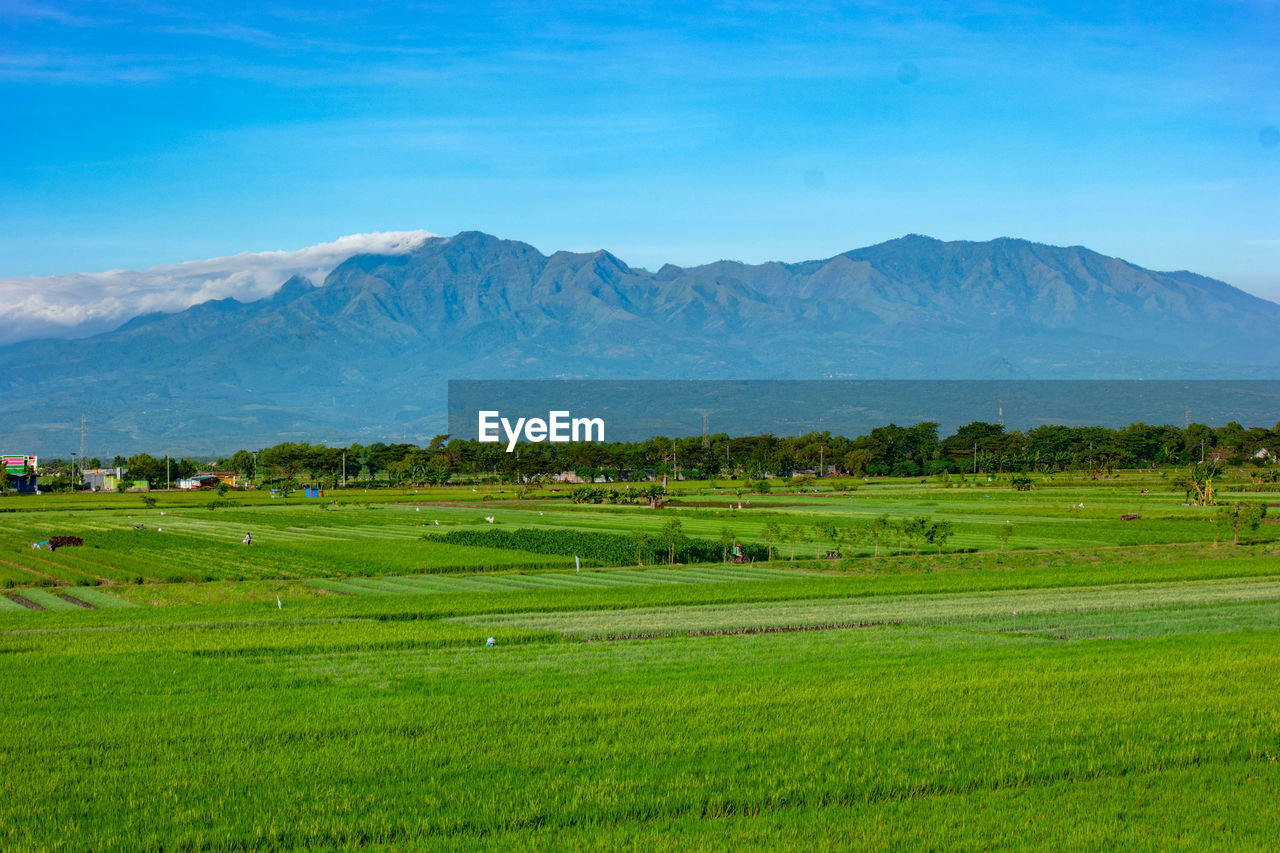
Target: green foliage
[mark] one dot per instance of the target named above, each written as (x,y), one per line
(772,535)
(637,494)
(726,543)
(599,549)
(1197,483)
(1240,515)
(672,535)
(640,541)
(938,532)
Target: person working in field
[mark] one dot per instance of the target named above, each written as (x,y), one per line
(248,539)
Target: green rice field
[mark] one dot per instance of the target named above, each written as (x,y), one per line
(1084,683)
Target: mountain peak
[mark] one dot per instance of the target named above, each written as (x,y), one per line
(295,287)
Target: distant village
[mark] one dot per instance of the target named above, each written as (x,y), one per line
(25,475)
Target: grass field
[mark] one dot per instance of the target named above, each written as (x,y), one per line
(1098,685)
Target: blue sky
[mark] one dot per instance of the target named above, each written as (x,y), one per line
(140,133)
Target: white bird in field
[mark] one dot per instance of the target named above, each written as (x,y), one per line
(489,518)
(279,603)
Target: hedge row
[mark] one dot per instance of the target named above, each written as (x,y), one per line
(595,549)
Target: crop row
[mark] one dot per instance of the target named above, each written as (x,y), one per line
(899,576)
(169,554)
(543,580)
(1003,608)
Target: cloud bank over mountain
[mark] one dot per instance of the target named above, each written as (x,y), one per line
(78,304)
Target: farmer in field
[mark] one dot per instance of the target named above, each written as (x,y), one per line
(248,539)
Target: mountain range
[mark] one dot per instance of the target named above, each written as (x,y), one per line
(365,355)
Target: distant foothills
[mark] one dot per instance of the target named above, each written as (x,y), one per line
(365,355)
(891,450)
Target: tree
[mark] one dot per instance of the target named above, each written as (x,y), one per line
(772,534)
(915,530)
(144,466)
(673,537)
(1239,515)
(823,530)
(938,533)
(794,532)
(877,529)
(242,463)
(1197,483)
(726,542)
(641,540)
(856,461)
(1004,533)
(148,502)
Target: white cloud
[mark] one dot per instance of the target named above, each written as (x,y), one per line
(79,304)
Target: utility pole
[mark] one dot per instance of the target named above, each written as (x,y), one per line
(975,457)
(1000,411)
(822,465)
(1202,448)
(166,472)
(344,470)
(84,439)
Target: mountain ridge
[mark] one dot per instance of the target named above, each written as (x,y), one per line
(367,352)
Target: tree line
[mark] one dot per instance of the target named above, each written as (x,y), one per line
(892,450)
